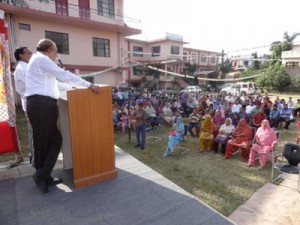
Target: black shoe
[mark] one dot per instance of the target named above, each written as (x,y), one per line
(137,146)
(142,148)
(53,181)
(40,184)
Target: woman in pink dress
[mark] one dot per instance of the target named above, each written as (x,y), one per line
(265,140)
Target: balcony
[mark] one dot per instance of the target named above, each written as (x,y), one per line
(290,54)
(70,14)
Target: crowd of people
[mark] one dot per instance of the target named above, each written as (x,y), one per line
(233,122)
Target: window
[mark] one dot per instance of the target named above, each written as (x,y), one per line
(184,56)
(23,26)
(137,49)
(155,51)
(138,70)
(101,47)
(62,7)
(84,9)
(203,58)
(61,40)
(194,57)
(213,59)
(106,8)
(175,50)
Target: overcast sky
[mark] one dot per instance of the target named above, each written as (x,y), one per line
(214,25)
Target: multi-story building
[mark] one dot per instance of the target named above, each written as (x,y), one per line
(168,54)
(91,37)
(291,58)
(89,33)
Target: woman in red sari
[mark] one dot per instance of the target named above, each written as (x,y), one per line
(218,121)
(242,137)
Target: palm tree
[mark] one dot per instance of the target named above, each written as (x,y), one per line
(277,47)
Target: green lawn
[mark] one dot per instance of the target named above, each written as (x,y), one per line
(222,184)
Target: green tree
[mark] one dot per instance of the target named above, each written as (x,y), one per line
(275,77)
(277,47)
(256,63)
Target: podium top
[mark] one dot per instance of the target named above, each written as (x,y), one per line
(63,93)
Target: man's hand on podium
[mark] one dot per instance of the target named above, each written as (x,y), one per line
(95,88)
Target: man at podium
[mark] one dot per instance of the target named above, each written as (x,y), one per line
(42,93)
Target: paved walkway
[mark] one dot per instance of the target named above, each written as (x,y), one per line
(138,196)
(271,204)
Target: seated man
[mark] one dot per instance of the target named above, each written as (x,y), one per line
(297,107)
(285,116)
(274,115)
(194,120)
(168,114)
(241,139)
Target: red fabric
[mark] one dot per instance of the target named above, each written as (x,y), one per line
(8,138)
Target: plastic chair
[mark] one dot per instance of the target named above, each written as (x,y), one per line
(298,132)
(291,152)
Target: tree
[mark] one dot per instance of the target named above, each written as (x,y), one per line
(277,47)
(275,77)
(225,66)
(256,63)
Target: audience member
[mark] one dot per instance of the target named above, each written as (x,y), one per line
(265,138)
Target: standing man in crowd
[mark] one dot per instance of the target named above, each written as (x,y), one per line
(22,55)
(42,93)
(140,116)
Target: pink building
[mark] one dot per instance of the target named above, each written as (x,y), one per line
(89,34)
(93,36)
(168,54)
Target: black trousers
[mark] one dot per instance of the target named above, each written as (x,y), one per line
(43,114)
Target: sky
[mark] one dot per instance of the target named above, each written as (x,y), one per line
(213,25)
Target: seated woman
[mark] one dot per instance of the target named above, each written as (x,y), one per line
(174,136)
(225,131)
(218,122)
(206,135)
(241,139)
(265,138)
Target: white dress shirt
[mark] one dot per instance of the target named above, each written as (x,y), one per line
(42,75)
(20,73)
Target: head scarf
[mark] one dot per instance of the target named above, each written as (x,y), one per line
(207,123)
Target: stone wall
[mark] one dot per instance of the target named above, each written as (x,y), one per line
(294,72)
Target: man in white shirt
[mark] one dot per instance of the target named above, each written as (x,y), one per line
(42,93)
(22,55)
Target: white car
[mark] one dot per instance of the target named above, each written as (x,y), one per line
(245,88)
(191,89)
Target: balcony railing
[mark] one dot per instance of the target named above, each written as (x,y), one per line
(73,10)
(291,54)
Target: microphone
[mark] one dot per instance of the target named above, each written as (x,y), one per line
(61,65)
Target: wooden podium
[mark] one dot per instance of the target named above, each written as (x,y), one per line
(87,128)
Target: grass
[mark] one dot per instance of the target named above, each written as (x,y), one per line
(222,184)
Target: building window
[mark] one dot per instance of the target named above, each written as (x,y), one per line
(174,50)
(44,1)
(213,59)
(106,8)
(155,51)
(62,7)
(138,70)
(203,58)
(23,26)
(184,56)
(61,40)
(194,58)
(101,47)
(84,9)
(137,49)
